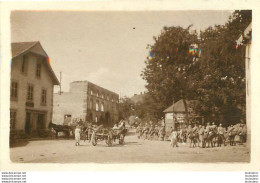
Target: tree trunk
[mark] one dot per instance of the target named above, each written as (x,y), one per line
(186,108)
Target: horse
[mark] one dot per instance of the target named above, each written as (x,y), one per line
(182,136)
(219,139)
(212,138)
(60,128)
(193,136)
(145,133)
(231,134)
(205,139)
(209,139)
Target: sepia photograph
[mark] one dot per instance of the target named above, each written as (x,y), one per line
(130,86)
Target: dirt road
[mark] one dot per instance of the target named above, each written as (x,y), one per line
(133,151)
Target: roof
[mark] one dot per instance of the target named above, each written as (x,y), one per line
(179,106)
(137,98)
(245,35)
(20,48)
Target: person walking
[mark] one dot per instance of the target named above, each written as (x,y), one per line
(201,133)
(162,133)
(90,130)
(221,132)
(195,132)
(77,135)
(174,138)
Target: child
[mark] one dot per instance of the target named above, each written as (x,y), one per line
(77,135)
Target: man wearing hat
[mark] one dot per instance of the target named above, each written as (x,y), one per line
(162,133)
(221,132)
(214,127)
(208,127)
(146,130)
(201,133)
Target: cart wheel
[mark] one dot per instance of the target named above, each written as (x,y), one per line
(93,139)
(109,141)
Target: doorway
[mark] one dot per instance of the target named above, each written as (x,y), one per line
(28,123)
(40,122)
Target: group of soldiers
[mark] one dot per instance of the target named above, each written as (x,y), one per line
(211,135)
(151,132)
(197,135)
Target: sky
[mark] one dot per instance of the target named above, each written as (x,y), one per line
(106,48)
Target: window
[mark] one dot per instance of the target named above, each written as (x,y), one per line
(97,94)
(97,106)
(30,93)
(102,96)
(91,92)
(12,120)
(24,64)
(14,90)
(38,69)
(102,107)
(44,97)
(91,104)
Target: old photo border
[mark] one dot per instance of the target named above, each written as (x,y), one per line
(7,7)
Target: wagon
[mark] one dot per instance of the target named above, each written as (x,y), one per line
(62,128)
(108,135)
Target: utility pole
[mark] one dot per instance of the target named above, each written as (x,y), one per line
(60,82)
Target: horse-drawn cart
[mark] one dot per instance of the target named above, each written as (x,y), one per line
(67,130)
(109,135)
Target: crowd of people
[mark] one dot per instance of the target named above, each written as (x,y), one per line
(196,135)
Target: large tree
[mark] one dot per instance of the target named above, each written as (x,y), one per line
(216,79)
(221,86)
(168,68)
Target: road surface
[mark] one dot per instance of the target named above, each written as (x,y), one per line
(133,151)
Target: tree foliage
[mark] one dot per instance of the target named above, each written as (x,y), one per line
(216,79)
(167,70)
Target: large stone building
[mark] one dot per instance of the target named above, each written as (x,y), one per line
(32,81)
(88,102)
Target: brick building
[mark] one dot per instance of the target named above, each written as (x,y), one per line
(31,92)
(88,102)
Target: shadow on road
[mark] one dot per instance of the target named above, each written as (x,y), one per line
(19,144)
(113,145)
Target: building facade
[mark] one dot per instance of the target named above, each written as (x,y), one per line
(88,102)
(31,92)
(246,39)
(175,115)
